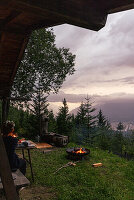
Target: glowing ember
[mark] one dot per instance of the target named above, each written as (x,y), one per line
(80,151)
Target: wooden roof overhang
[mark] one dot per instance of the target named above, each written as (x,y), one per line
(19,17)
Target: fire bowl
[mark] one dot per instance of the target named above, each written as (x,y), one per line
(77,153)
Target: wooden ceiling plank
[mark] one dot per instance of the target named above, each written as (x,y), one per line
(16,31)
(68,11)
(4,2)
(9,18)
(44,24)
(121,8)
(3,14)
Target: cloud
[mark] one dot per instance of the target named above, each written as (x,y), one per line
(120,36)
(71,36)
(98,99)
(127,80)
(71,98)
(104,59)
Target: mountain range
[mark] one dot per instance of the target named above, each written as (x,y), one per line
(116,110)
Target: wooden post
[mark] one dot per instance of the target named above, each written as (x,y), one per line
(5,171)
(5,109)
(6,175)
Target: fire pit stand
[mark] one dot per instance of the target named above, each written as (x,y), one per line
(77,153)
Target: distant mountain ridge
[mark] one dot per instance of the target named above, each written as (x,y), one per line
(116,110)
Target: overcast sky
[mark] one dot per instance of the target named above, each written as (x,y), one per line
(104,61)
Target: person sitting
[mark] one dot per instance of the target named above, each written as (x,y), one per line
(10,141)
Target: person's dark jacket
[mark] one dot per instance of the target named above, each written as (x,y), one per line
(10,145)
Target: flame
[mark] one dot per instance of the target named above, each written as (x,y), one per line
(12,135)
(80,151)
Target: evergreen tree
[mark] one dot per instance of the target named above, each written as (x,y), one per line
(63,120)
(39,103)
(86,121)
(101,119)
(102,122)
(85,114)
(90,118)
(120,126)
(52,125)
(102,137)
(80,117)
(38,106)
(108,125)
(24,122)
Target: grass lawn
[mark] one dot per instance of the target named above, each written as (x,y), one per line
(114,180)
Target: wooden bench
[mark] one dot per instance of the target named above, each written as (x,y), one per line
(19,180)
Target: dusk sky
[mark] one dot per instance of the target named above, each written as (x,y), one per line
(104,61)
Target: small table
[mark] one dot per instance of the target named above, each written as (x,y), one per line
(28,148)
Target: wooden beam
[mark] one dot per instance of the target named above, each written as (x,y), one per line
(121,8)
(88,15)
(15,31)
(43,24)
(9,18)
(4,2)
(6,175)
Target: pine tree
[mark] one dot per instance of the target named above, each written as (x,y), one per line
(102,122)
(85,119)
(120,126)
(108,125)
(102,137)
(80,117)
(52,125)
(38,106)
(101,119)
(90,118)
(63,119)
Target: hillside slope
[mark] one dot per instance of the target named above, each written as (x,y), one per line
(112,181)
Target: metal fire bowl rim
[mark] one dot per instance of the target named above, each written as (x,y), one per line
(71,149)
